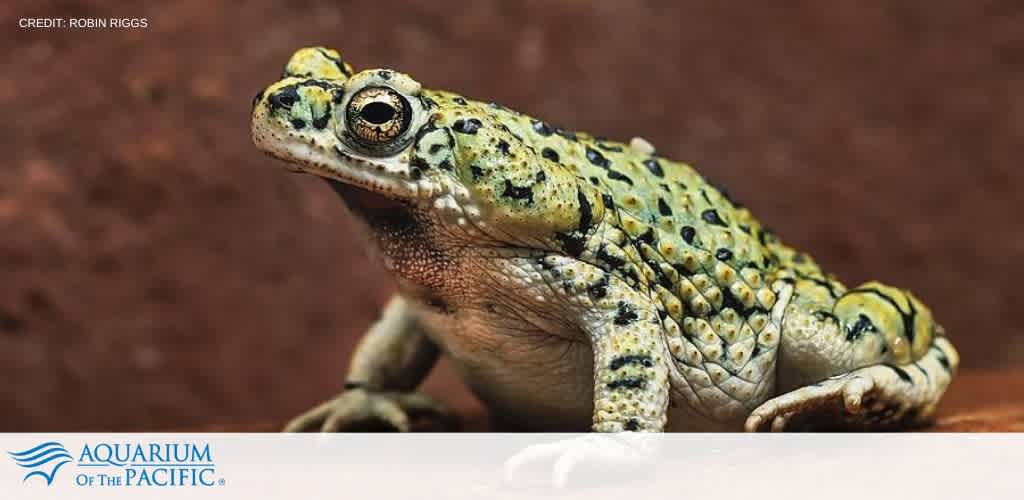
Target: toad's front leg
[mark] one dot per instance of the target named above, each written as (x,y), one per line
(390,361)
(631,379)
(631,385)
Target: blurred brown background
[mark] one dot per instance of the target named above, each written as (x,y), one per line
(157,272)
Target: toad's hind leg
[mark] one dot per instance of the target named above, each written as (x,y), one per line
(870,359)
(871,398)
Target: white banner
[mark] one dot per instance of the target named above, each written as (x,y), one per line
(474,466)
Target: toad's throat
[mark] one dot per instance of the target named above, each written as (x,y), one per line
(374,208)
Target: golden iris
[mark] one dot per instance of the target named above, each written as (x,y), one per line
(377,115)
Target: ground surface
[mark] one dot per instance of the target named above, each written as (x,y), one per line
(157,272)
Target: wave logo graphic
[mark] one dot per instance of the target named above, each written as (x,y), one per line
(46,459)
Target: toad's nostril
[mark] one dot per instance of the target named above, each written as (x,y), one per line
(256,100)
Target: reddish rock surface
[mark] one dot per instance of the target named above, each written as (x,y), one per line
(157,272)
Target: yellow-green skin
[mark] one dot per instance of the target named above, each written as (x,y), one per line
(613,227)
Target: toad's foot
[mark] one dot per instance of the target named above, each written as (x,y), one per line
(589,460)
(873,398)
(359,409)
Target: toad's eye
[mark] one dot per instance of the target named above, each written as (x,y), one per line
(377,116)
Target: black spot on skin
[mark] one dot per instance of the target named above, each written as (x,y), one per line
(654,167)
(298,123)
(729,301)
(625,315)
(419,163)
(922,370)
(416,173)
(599,289)
(607,201)
(567,135)
(901,373)
(799,259)
(663,208)
(284,98)
(612,261)
(863,324)
(943,360)
(353,385)
(617,176)
(469,126)
(476,171)
(595,181)
(609,147)
(446,165)
(459,100)
(435,148)
(723,254)
(628,383)
(572,243)
(586,212)
(745,228)
(664,280)
(711,217)
(540,177)
(632,425)
(337,95)
(427,128)
(647,236)
(384,74)
(907,317)
(503,147)
(550,154)
(542,128)
(518,193)
(597,159)
(688,232)
(631,359)
(321,122)
(666,188)
(319,83)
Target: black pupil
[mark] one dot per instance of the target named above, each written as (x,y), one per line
(377,113)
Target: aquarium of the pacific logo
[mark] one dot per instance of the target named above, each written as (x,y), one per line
(128,464)
(42,461)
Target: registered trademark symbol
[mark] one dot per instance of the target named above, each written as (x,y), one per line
(221,481)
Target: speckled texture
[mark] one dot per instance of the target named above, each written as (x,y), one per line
(658,272)
(113,245)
